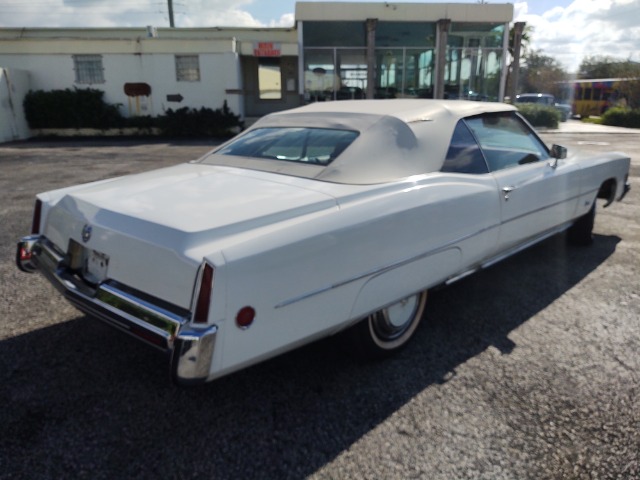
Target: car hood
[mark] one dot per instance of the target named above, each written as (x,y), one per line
(160,224)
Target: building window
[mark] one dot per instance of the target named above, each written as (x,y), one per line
(88,69)
(187,68)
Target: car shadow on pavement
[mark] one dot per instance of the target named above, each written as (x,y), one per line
(84,401)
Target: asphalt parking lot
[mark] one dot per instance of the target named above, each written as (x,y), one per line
(528,370)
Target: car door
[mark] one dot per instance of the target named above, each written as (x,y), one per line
(538,194)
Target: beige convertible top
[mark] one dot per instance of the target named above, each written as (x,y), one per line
(398,138)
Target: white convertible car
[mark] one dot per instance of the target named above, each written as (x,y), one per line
(330,217)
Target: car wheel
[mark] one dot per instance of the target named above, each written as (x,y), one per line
(389,329)
(581,232)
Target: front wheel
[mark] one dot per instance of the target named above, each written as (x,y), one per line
(581,232)
(389,329)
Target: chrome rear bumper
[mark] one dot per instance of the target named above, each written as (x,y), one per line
(152,320)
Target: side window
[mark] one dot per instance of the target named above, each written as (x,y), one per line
(506,141)
(464,155)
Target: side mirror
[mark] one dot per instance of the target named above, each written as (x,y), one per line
(558,152)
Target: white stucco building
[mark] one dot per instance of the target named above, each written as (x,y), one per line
(336,50)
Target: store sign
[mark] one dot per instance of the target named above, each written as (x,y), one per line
(266,49)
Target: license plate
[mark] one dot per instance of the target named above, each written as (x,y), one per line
(95,266)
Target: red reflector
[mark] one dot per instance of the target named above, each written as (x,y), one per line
(25,254)
(245,317)
(37,211)
(204,295)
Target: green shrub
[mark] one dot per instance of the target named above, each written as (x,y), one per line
(540,115)
(70,109)
(205,122)
(621,117)
(87,109)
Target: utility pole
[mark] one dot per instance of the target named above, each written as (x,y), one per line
(170,3)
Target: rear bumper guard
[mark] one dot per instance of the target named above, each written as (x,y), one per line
(160,325)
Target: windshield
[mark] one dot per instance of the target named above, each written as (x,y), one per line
(318,146)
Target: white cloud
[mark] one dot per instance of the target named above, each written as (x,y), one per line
(286,20)
(585,28)
(124,13)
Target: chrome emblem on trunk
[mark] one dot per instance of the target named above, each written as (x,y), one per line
(86,233)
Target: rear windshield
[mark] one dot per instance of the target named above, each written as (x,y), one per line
(319,146)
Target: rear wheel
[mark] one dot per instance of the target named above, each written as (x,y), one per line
(581,232)
(389,329)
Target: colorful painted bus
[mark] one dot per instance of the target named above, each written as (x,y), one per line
(594,96)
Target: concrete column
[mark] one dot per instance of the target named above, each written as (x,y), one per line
(441,56)
(371,57)
(518,28)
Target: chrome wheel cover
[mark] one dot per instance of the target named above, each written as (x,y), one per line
(394,325)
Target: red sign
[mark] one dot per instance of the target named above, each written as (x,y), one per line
(266,49)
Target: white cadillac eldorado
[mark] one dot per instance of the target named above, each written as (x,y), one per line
(331,217)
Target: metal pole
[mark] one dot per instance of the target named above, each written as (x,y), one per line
(170,4)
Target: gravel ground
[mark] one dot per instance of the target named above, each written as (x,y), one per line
(528,370)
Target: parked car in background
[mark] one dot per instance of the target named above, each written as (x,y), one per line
(336,217)
(548,100)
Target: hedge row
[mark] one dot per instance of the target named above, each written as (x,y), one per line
(621,117)
(87,109)
(70,109)
(540,115)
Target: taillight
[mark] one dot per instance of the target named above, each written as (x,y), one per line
(204,295)
(37,212)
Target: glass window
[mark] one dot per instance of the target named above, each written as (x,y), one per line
(488,35)
(473,73)
(351,74)
(318,146)
(464,155)
(88,69)
(334,34)
(187,68)
(269,78)
(405,34)
(506,141)
(319,74)
(419,73)
(389,72)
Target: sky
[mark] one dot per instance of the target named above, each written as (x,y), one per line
(567,30)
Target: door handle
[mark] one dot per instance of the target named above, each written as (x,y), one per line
(506,191)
